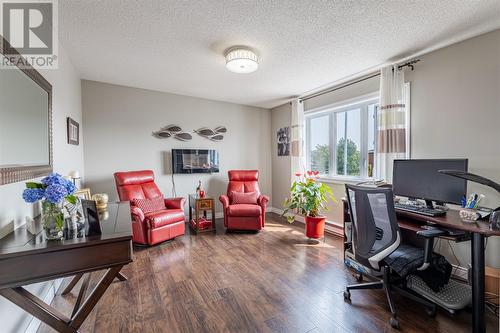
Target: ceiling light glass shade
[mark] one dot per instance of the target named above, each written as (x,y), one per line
(241,60)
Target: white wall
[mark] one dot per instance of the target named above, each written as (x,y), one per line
(66,101)
(455,112)
(118,126)
(281,165)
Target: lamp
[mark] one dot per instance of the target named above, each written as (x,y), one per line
(241,60)
(74,175)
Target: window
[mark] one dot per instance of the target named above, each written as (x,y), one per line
(340,140)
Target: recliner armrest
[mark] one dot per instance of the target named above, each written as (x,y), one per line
(224,199)
(137,213)
(263,200)
(174,203)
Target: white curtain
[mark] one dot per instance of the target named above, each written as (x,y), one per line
(297,138)
(391,121)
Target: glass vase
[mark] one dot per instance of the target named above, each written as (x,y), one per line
(52,220)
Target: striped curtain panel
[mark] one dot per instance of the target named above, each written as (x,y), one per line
(297,138)
(391,120)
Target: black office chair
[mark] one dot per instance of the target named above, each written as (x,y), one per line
(377,245)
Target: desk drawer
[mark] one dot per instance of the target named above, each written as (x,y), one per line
(26,269)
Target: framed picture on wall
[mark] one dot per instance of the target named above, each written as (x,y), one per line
(283,136)
(73,129)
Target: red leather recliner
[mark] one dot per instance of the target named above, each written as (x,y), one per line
(155,227)
(244,216)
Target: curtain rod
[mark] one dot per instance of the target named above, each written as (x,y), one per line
(410,64)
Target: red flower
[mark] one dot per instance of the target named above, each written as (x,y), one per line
(316,173)
(298,174)
(309,173)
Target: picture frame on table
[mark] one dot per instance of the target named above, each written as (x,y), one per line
(83,194)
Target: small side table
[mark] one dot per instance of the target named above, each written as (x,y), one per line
(201,205)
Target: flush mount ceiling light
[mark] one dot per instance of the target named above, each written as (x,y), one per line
(241,60)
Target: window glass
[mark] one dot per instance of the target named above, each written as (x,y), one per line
(342,141)
(348,143)
(320,144)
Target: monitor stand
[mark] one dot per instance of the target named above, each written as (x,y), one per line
(429,204)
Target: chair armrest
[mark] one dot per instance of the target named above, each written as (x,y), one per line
(263,200)
(175,203)
(224,199)
(137,213)
(429,235)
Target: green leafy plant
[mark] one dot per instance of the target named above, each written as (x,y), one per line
(308,196)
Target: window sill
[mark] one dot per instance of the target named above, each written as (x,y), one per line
(343,180)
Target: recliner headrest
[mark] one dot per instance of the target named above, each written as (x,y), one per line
(134,177)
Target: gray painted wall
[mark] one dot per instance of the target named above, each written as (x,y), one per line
(118,125)
(280,117)
(66,102)
(455,112)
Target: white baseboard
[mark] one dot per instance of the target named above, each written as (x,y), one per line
(47,298)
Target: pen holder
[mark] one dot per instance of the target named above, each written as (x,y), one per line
(469,215)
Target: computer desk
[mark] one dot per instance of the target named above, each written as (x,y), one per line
(478,231)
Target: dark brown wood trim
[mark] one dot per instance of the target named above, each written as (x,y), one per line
(17,174)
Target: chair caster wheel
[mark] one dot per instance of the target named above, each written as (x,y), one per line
(452,312)
(347,295)
(359,277)
(431,312)
(394,323)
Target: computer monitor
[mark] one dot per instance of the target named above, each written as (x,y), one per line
(420,179)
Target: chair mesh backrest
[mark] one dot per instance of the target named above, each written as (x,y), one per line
(375,226)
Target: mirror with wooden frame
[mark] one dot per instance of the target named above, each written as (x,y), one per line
(25,119)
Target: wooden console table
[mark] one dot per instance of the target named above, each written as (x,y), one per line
(27,258)
(201,205)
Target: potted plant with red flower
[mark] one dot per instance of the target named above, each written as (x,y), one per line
(308,197)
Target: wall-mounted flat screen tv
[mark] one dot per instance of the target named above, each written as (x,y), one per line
(195,161)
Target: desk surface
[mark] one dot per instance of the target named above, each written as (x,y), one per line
(453,221)
(26,258)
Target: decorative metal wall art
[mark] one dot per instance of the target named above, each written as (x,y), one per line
(212,134)
(176,132)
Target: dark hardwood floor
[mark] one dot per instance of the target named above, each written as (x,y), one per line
(272,281)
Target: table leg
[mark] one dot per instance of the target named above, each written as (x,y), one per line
(81,294)
(213,216)
(94,297)
(121,277)
(72,284)
(477,256)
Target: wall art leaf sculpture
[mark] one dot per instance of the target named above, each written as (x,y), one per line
(214,135)
(220,129)
(204,131)
(172,128)
(167,132)
(217,137)
(183,136)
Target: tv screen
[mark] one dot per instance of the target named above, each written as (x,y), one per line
(195,161)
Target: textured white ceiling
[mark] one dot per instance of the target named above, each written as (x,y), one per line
(178,46)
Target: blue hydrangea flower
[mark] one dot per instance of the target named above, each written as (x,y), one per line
(32,195)
(55,193)
(70,187)
(54,179)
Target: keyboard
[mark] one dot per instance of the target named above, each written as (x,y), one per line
(419,210)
